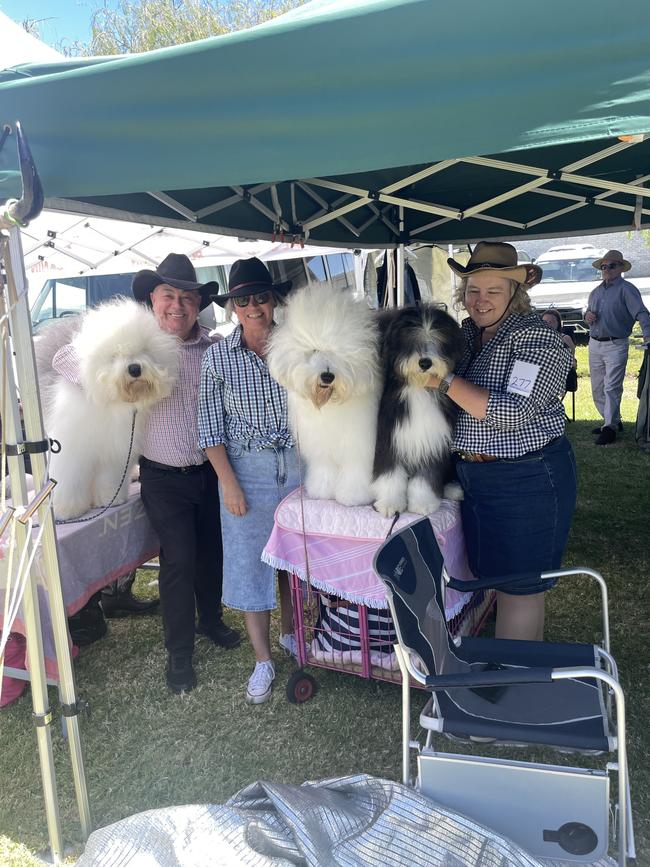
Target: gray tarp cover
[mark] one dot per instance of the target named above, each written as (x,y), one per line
(351,821)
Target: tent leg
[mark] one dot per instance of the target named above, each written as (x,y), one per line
(21,329)
(40,701)
(400,261)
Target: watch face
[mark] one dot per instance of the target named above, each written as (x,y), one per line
(443,388)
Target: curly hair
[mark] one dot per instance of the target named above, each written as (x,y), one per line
(520,302)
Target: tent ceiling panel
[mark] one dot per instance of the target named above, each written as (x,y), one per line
(326,121)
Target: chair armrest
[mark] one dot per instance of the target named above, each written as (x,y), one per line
(480,679)
(604,596)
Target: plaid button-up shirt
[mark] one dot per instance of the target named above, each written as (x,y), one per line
(239,401)
(514,423)
(171,434)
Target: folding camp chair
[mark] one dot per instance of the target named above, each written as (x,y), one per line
(508,692)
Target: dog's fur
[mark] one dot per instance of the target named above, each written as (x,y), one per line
(325,354)
(126,363)
(412,461)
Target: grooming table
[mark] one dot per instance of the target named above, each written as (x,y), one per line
(91,555)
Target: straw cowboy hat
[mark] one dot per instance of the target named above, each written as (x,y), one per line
(612,256)
(248,277)
(175,270)
(500,258)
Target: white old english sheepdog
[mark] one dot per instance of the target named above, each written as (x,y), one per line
(413,460)
(111,362)
(325,354)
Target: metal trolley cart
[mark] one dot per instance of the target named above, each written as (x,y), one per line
(341,614)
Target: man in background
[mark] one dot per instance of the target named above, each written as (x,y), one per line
(613,308)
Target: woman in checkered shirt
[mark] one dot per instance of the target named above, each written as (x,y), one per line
(516,467)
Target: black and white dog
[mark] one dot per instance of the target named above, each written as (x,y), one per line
(412,457)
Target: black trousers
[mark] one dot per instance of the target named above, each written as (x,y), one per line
(184,511)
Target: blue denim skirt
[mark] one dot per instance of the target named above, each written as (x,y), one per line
(266,477)
(517,515)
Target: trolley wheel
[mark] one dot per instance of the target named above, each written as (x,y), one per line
(301,687)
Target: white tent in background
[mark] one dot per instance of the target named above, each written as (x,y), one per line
(18,46)
(66,245)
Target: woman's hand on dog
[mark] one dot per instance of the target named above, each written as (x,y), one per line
(433,381)
(234,500)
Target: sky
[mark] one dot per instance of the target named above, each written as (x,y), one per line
(64,21)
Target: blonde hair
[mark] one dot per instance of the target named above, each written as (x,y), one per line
(520,301)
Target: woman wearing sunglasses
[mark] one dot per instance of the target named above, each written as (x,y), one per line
(244,430)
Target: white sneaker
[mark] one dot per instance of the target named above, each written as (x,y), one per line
(260,682)
(289,644)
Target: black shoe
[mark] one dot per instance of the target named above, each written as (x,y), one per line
(125,604)
(220,633)
(179,673)
(88,625)
(598,430)
(607,437)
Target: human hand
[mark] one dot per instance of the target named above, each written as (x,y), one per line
(234,500)
(590,317)
(433,381)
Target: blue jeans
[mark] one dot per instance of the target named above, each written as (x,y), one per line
(517,515)
(265,477)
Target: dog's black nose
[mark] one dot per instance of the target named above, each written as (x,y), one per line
(425,363)
(327,378)
(134,370)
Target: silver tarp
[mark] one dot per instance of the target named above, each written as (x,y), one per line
(345,822)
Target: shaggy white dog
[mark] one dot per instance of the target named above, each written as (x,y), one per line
(325,354)
(120,363)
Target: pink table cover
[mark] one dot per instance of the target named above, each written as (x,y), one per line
(339,543)
(91,555)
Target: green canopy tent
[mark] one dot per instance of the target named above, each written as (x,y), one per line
(360,124)
(480,120)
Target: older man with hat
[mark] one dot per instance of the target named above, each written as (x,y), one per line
(178,485)
(612,309)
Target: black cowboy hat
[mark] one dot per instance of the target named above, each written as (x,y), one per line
(248,277)
(500,258)
(175,270)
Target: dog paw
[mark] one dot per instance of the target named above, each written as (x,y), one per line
(359,496)
(422,506)
(387,508)
(453,491)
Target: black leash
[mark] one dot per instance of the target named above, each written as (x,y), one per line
(119,487)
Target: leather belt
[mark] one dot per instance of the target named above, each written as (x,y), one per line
(166,468)
(605,339)
(477,457)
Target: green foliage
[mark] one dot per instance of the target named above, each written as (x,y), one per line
(143,25)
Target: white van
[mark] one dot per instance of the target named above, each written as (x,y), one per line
(569,277)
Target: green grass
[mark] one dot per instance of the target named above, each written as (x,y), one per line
(144,748)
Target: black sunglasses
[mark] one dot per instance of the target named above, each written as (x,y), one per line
(611,266)
(260,298)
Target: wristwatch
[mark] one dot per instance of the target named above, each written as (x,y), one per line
(443,388)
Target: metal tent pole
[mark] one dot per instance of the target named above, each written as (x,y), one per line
(21,330)
(400,261)
(42,713)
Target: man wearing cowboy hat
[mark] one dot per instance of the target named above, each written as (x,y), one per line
(613,307)
(178,486)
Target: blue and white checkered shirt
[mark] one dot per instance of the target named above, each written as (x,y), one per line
(239,401)
(515,424)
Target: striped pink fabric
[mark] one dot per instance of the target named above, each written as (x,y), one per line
(342,565)
(172,434)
